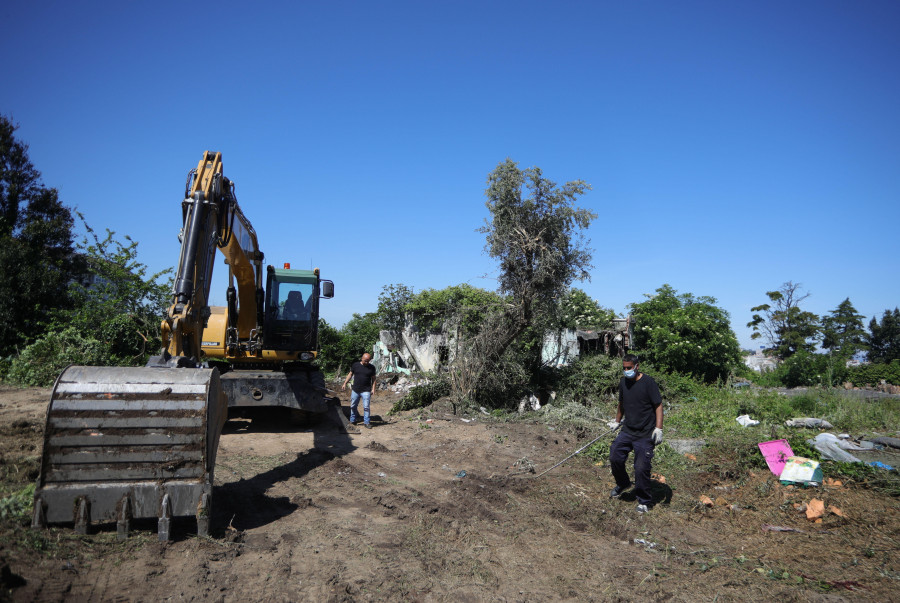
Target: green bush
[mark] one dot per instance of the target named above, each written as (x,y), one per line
(675,387)
(421,396)
(686,334)
(509,382)
(803,369)
(40,363)
(464,303)
(873,374)
(590,379)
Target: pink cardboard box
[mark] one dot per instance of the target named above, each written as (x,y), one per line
(775,453)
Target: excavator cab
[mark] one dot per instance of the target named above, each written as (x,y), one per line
(292,300)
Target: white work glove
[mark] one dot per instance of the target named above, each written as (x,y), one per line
(657,436)
(613,425)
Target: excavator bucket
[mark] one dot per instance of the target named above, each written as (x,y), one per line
(130,443)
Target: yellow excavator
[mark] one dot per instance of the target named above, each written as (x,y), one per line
(128,443)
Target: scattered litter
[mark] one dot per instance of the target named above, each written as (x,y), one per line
(529,402)
(646,543)
(803,471)
(809,422)
(686,446)
(466,420)
(844,436)
(746,421)
(866,445)
(840,443)
(461,473)
(834,483)
(484,411)
(382,474)
(690,456)
(706,500)
(834,449)
(770,528)
(776,453)
(835,511)
(524,465)
(815,509)
(885,441)
(429,420)
(881,465)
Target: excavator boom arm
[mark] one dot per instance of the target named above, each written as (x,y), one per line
(212,219)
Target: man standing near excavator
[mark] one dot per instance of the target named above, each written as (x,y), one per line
(640,415)
(363,373)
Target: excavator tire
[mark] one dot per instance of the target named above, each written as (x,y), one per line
(130,443)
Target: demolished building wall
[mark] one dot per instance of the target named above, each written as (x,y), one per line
(412,349)
(430,351)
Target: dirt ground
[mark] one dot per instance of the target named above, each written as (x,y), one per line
(428,506)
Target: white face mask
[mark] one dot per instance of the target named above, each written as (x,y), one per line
(630,374)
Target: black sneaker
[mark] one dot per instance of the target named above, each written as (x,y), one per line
(618,491)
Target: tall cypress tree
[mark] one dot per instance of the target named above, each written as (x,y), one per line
(36,249)
(884,338)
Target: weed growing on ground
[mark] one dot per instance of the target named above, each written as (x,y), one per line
(16,507)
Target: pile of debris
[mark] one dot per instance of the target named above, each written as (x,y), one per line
(399,383)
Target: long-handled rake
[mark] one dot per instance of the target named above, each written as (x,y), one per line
(577,452)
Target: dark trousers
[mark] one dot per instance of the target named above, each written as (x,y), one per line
(643,454)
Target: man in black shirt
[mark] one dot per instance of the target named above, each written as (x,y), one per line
(363,373)
(640,415)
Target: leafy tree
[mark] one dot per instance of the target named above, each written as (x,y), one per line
(329,358)
(578,310)
(884,338)
(803,369)
(358,336)
(36,250)
(686,334)
(536,238)
(843,331)
(121,303)
(536,234)
(461,304)
(392,304)
(19,180)
(783,324)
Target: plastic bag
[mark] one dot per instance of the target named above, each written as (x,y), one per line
(809,422)
(745,420)
(831,448)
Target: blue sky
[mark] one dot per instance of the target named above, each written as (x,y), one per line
(731,146)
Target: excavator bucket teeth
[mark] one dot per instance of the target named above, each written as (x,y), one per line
(122,443)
